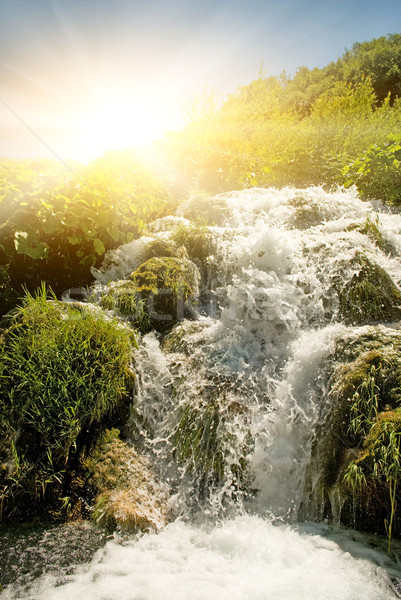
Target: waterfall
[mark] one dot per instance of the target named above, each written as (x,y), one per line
(227,405)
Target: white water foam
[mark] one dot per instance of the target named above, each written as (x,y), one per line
(243,559)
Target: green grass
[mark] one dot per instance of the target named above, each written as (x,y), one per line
(62,371)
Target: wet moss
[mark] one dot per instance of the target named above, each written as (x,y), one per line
(209,445)
(307,212)
(128,495)
(355,471)
(163,248)
(124,299)
(370,294)
(169,286)
(198,240)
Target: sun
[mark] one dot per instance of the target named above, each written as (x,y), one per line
(124,118)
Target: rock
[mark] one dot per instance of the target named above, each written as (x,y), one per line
(128,493)
(370,294)
(160,247)
(123,298)
(170,287)
(355,464)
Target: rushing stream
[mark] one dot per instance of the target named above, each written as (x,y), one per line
(252,363)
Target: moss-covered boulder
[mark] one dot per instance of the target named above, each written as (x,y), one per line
(212,442)
(123,298)
(371,228)
(355,472)
(163,247)
(369,295)
(307,211)
(128,493)
(64,376)
(169,286)
(198,240)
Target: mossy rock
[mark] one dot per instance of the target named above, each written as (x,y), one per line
(372,478)
(170,287)
(198,240)
(123,298)
(371,228)
(308,212)
(209,445)
(370,295)
(128,493)
(350,458)
(65,375)
(161,247)
(185,337)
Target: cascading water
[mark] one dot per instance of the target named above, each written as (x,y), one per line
(227,404)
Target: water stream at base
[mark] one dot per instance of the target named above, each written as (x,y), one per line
(260,349)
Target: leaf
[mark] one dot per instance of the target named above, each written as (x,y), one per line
(71,220)
(50,227)
(88,261)
(27,243)
(99,246)
(74,239)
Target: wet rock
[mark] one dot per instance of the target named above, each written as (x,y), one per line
(355,464)
(370,294)
(128,493)
(169,286)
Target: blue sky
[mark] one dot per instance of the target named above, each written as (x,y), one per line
(67,67)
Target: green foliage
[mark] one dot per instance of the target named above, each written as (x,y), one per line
(354,478)
(345,99)
(57,225)
(299,131)
(377,172)
(379,461)
(364,406)
(63,370)
(379,59)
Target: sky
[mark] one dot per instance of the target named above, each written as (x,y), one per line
(78,77)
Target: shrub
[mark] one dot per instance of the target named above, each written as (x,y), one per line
(377,171)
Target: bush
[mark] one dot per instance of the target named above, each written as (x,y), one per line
(56,226)
(377,172)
